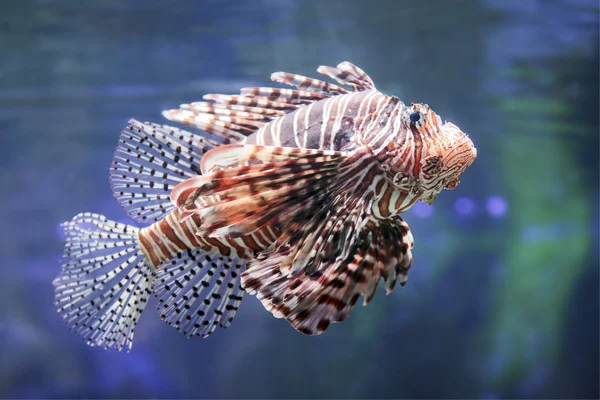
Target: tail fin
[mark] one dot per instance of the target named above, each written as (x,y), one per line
(105,280)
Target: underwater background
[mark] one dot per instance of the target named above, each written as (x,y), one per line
(503,296)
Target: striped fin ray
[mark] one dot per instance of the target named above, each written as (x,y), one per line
(232,218)
(271,187)
(241,124)
(261,102)
(392,246)
(357,73)
(238,154)
(321,214)
(105,281)
(311,302)
(308,84)
(149,162)
(198,291)
(211,123)
(284,95)
(349,74)
(236,214)
(234,117)
(307,247)
(310,277)
(247,112)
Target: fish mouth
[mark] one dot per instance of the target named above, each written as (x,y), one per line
(473,152)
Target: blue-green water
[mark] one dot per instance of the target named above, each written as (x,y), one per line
(502,299)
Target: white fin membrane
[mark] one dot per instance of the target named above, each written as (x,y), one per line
(198,291)
(105,281)
(149,162)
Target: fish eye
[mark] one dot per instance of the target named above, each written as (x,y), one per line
(415,117)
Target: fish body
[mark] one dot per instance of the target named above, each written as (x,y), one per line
(293,196)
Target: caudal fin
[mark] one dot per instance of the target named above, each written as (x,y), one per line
(105,280)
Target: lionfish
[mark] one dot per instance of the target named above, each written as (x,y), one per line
(292,195)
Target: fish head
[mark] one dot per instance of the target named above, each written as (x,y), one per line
(458,154)
(444,151)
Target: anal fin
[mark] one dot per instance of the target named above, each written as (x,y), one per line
(198,291)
